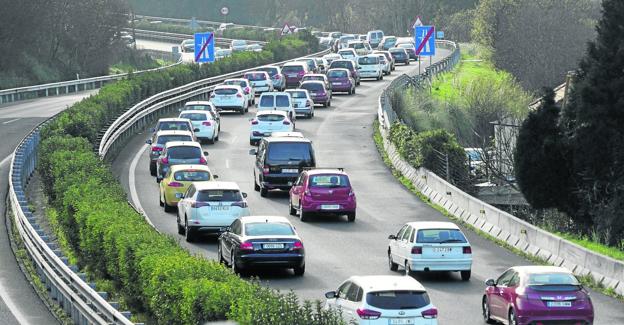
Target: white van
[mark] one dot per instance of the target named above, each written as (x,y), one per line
(374,37)
(280,101)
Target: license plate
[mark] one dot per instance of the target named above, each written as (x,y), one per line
(272,246)
(401,321)
(288,170)
(442,249)
(336,83)
(179,195)
(292,75)
(219,207)
(559,304)
(267,134)
(330,207)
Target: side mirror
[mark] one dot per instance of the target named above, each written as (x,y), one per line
(227,229)
(215,176)
(331,295)
(244,195)
(392,237)
(158,179)
(148,141)
(490,283)
(196,130)
(253,152)
(206,153)
(179,195)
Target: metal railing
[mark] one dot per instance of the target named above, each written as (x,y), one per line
(188,21)
(177,37)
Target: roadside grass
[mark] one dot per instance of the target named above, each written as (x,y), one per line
(613,252)
(586,280)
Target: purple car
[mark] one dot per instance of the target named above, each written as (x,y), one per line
(293,72)
(340,80)
(325,191)
(525,295)
(318,91)
(349,65)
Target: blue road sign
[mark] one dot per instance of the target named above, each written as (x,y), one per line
(440,34)
(204,47)
(424,40)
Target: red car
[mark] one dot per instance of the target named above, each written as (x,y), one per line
(324,191)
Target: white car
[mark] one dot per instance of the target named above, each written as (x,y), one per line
(238,45)
(206,127)
(331,57)
(275,72)
(348,54)
(370,67)
(248,89)
(280,101)
(302,102)
(383,300)
(202,105)
(267,122)
(385,64)
(260,81)
(209,207)
(316,76)
(222,54)
(254,48)
(229,97)
(360,47)
(430,246)
(187,46)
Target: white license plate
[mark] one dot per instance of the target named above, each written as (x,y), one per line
(292,75)
(179,195)
(267,134)
(559,304)
(219,207)
(288,170)
(330,207)
(337,83)
(272,246)
(401,321)
(442,249)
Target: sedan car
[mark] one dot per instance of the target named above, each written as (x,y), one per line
(383,300)
(525,295)
(267,122)
(210,207)
(160,139)
(230,97)
(302,102)
(400,55)
(261,241)
(430,246)
(275,72)
(260,81)
(326,191)
(204,124)
(201,105)
(248,89)
(178,179)
(340,80)
(319,91)
(179,153)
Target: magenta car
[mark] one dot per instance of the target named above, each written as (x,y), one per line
(340,80)
(322,191)
(293,72)
(349,65)
(319,92)
(534,295)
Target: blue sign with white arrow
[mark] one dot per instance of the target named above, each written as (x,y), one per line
(204,47)
(424,40)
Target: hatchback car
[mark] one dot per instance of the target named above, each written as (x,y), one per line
(204,124)
(326,191)
(311,62)
(316,76)
(387,42)
(370,67)
(400,55)
(179,153)
(319,92)
(430,246)
(159,140)
(210,207)
(275,72)
(340,80)
(322,65)
(172,124)
(260,81)
(248,89)
(388,57)
(178,179)
(280,101)
(229,98)
(267,122)
(386,67)
(525,295)
(331,57)
(302,102)
(383,300)
(201,105)
(349,65)
(261,241)
(410,49)
(294,71)
(348,53)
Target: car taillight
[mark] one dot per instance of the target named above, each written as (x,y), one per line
(241,204)
(157,149)
(165,160)
(351,193)
(278,77)
(416,250)
(301,73)
(206,123)
(196,204)
(430,313)
(368,314)
(239,95)
(254,122)
(286,122)
(202,160)
(245,246)
(298,245)
(176,184)
(467,250)
(308,102)
(247,90)
(265,170)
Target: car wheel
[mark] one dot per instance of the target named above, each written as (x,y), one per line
(353,93)
(351,216)
(217,136)
(180,227)
(264,192)
(465,275)
(393,266)
(160,201)
(235,269)
(168,208)
(299,270)
(212,141)
(485,307)
(252,142)
(189,236)
(293,211)
(220,254)
(511,319)
(328,104)
(303,216)
(408,270)
(256,186)
(152,170)
(381,77)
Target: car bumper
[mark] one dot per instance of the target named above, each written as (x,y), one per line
(208,134)
(554,320)
(303,110)
(261,89)
(320,99)
(342,87)
(239,107)
(279,182)
(369,74)
(325,207)
(271,260)
(462,264)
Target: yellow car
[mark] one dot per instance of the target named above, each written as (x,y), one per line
(177,180)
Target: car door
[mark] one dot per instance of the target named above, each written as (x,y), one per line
(352,302)
(260,161)
(183,204)
(232,235)
(298,189)
(341,303)
(405,249)
(394,245)
(498,305)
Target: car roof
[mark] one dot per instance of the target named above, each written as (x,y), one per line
(271,111)
(199,102)
(250,219)
(216,185)
(313,81)
(433,225)
(182,143)
(280,134)
(173,132)
(341,60)
(340,69)
(256,71)
(195,111)
(228,87)
(286,139)
(176,168)
(387,282)
(318,171)
(274,93)
(173,119)
(314,75)
(537,269)
(296,63)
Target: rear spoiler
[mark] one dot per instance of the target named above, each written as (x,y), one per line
(311,168)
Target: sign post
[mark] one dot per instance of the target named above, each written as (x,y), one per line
(286,30)
(204,47)
(224,12)
(424,41)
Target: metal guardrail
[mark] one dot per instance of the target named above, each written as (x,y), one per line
(177,37)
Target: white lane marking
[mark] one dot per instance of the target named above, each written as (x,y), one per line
(11,121)
(134,196)
(227,163)
(17,313)
(234,139)
(6,160)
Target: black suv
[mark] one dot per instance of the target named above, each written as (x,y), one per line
(279,160)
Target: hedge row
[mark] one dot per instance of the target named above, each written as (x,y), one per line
(112,241)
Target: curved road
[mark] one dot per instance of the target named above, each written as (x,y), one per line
(335,249)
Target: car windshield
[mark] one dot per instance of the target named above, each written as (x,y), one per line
(270,71)
(191,176)
(289,151)
(267,101)
(292,69)
(552,279)
(329,181)
(194,116)
(172,126)
(270,118)
(241,83)
(226,91)
(184,152)
(368,60)
(255,76)
(219,196)
(337,74)
(163,139)
(268,229)
(440,236)
(297,94)
(198,108)
(398,299)
(313,87)
(313,78)
(282,101)
(341,64)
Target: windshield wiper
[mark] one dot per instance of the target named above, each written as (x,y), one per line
(451,241)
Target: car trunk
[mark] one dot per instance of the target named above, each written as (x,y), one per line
(330,194)
(447,250)
(564,299)
(273,244)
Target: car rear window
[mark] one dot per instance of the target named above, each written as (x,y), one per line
(289,151)
(270,71)
(347,53)
(297,94)
(255,76)
(440,236)
(282,101)
(268,229)
(172,126)
(357,45)
(342,64)
(313,86)
(368,60)
(226,91)
(184,152)
(219,196)
(292,69)
(552,279)
(241,83)
(270,117)
(168,138)
(194,116)
(267,101)
(329,181)
(337,74)
(406,46)
(398,299)
(191,176)
(198,108)
(312,78)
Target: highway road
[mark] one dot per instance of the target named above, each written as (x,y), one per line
(19,303)
(335,249)
(155,45)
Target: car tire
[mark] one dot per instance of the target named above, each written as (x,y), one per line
(233,266)
(220,254)
(351,216)
(465,275)
(252,142)
(293,211)
(152,170)
(299,270)
(353,91)
(167,207)
(256,186)
(189,236)
(180,227)
(511,318)
(264,192)
(160,201)
(303,216)
(485,308)
(328,104)
(408,270)
(393,266)
(381,77)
